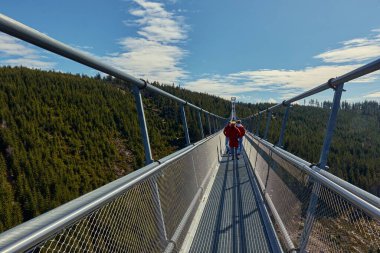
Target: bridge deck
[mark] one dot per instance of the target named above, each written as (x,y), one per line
(231,221)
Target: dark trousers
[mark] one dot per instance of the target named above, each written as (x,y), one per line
(234,153)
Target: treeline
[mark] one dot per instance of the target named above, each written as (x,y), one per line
(63,135)
(355,148)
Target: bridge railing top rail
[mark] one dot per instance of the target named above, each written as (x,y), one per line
(295,191)
(363,199)
(331,83)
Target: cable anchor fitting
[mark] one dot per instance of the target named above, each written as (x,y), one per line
(145,84)
(330,84)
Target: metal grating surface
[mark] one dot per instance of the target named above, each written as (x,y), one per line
(231,221)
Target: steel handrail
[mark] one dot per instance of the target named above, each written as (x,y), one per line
(28,34)
(350,187)
(354,199)
(332,83)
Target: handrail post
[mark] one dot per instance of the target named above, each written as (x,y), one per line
(209,123)
(258,125)
(158,212)
(253,124)
(283,126)
(184,123)
(269,116)
(322,165)
(142,124)
(200,124)
(211,126)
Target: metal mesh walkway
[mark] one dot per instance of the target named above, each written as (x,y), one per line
(231,221)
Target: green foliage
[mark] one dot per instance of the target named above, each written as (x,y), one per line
(355,147)
(63,135)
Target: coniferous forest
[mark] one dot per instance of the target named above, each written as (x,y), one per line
(62,135)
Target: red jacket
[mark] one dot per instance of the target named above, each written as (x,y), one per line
(225,131)
(233,133)
(241,129)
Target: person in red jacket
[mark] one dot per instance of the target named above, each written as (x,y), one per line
(233,133)
(242,132)
(225,131)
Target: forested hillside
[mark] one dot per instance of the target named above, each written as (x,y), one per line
(355,149)
(63,135)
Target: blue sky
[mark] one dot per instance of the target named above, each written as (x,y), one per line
(255,50)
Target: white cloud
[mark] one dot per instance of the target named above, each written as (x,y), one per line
(14,52)
(155,54)
(355,50)
(290,82)
(10,46)
(30,63)
(220,86)
(286,82)
(373,95)
(303,79)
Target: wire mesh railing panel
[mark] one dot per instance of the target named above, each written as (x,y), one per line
(129,223)
(286,185)
(261,166)
(251,151)
(206,157)
(177,186)
(179,183)
(339,226)
(290,193)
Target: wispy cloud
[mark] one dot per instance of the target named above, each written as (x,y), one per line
(220,86)
(14,52)
(286,82)
(289,82)
(302,79)
(355,50)
(373,95)
(155,52)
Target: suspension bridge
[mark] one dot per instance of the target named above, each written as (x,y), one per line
(200,200)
